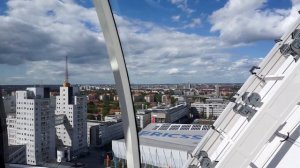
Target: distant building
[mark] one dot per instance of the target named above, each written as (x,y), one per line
(102,133)
(35,125)
(112,118)
(209,109)
(169,114)
(217,100)
(189,93)
(149,98)
(104,97)
(143,118)
(137,97)
(166,100)
(178,92)
(116,98)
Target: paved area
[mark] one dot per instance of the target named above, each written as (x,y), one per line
(95,159)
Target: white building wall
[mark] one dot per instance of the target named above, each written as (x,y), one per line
(209,108)
(154,156)
(73,132)
(11,130)
(35,126)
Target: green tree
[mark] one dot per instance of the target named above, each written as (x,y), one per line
(91,108)
(157,97)
(106,109)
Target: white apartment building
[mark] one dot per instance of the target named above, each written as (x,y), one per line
(72,133)
(35,125)
(209,109)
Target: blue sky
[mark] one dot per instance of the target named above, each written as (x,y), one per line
(165,41)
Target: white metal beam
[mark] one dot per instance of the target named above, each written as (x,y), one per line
(117,62)
(271,81)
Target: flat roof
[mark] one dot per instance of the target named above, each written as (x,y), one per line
(183,137)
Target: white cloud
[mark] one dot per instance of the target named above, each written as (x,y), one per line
(156,53)
(248,21)
(196,22)
(183,5)
(175,18)
(295,2)
(42,33)
(173,71)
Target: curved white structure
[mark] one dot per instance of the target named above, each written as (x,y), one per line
(260,128)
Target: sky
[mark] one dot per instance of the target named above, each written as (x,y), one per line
(164,41)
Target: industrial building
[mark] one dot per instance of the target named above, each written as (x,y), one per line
(164,145)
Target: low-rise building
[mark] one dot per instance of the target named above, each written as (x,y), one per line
(165,99)
(143,118)
(137,97)
(164,145)
(209,109)
(101,133)
(165,114)
(113,118)
(149,98)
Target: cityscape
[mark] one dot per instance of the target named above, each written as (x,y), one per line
(71,125)
(149,84)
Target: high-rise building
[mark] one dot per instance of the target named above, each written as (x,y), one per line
(72,133)
(35,125)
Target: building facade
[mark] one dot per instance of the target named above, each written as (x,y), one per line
(9,104)
(209,109)
(143,118)
(102,133)
(72,133)
(169,114)
(11,129)
(35,125)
